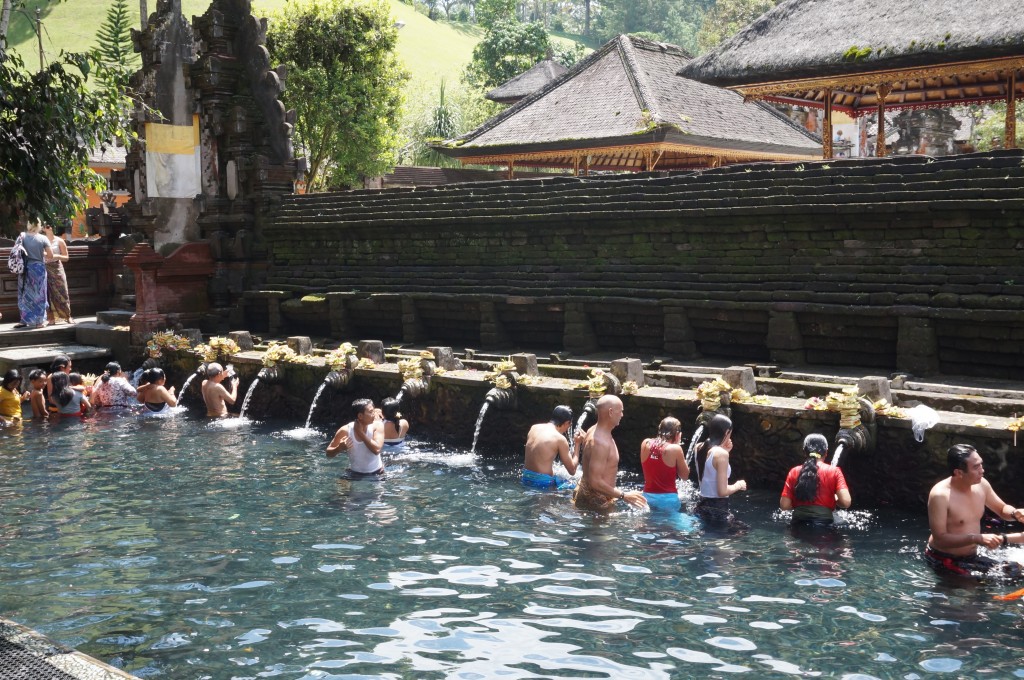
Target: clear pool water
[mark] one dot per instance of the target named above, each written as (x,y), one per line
(174,549)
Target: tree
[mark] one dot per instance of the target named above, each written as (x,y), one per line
(345,85)
(492,12)
(727,18)
(115,39)
(508,49)
(49,121)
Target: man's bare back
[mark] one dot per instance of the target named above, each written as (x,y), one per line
(544,443)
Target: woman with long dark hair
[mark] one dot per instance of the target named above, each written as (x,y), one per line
(395,426)
(815,488)
(715,489)
(69,401)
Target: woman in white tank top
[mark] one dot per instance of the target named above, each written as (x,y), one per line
(715,489)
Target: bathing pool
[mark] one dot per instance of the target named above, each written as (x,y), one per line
(176,549)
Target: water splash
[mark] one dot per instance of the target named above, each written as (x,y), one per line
(183,392)
(248,395)
(836,455)
(691,450)
(479,425)
(312,407)
(580,421)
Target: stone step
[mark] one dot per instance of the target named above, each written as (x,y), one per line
(982,179)
(753,176)
(42,356)
(114,317)
(20,337)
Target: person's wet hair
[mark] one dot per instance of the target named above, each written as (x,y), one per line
(113,368)
(36,374)
(669,428)
(716,431)
(957,455)
(815,448)
(62,388)
(75,379)
(59,363)
(152,376)
(389,407)
(359,405)
(11,379)
(561,415)
(213,369)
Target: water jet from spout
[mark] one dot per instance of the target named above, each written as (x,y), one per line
(479,424)
(248,396)
(837,455)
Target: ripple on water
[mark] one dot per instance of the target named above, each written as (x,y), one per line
(702,619)
(942,665)
(735,643)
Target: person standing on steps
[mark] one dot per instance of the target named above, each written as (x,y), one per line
(57,296)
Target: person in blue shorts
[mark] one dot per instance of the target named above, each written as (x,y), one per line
(544,443)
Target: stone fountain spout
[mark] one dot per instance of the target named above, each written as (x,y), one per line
(857,439)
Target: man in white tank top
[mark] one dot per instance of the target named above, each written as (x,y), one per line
(362,439)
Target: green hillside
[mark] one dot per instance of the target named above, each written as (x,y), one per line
(431,50)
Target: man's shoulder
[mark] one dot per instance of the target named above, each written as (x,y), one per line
(941,488)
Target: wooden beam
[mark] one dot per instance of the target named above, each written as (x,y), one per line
(883,92)
(1011,111)
(511,168)
(826,135)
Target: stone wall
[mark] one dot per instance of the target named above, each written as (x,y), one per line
(909,264)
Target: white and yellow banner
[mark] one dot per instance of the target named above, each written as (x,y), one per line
(172,160)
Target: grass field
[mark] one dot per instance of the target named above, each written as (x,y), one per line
(430,50)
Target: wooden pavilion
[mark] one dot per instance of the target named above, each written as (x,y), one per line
(622,109)
(869,56)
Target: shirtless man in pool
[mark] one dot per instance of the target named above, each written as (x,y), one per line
(600,456)
(544,443)
(955,507)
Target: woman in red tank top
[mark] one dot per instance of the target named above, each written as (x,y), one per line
(663,461)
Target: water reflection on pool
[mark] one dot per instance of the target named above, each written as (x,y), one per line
(177,550)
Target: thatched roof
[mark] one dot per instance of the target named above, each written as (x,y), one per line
(623,101)
(936,51)
(527,82)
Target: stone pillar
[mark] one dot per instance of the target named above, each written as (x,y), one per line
(785,342)
(301,344)
(526,364)
(341,325)
(917,347)
(444,358)
(629,369)
(492,331)
(144,263)
(578,335)
(411,327)
(275,322)
(875,387)
(741,377)
(372,350)
(243,339)
(679,339)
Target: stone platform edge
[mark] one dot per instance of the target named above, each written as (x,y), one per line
(59,658)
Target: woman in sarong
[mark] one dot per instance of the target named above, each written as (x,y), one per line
(32,282)
(56,281)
